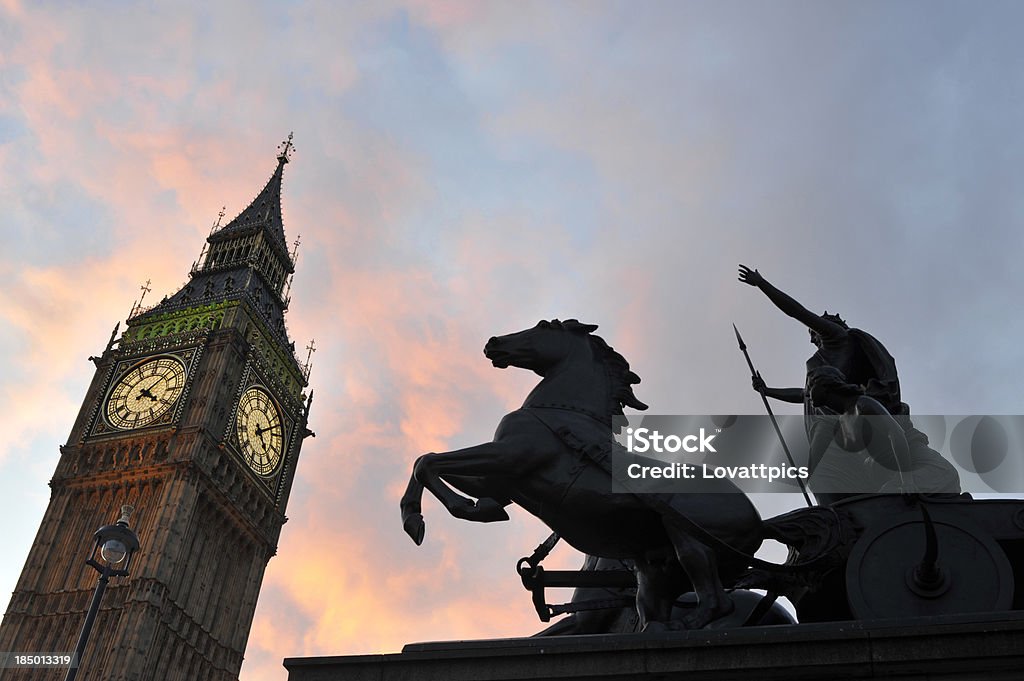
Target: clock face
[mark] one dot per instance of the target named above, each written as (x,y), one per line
(259,431)
(146,393)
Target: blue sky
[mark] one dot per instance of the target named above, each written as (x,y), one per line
(464,169)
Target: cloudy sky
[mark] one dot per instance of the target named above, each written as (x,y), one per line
(466,168)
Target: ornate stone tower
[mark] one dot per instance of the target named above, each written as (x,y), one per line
(195,417)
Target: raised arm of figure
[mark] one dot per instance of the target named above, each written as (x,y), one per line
(790,306)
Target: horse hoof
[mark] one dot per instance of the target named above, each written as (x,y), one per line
(415,527)
(489,511)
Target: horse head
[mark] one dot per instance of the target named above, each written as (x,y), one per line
(568,343)
(540,347)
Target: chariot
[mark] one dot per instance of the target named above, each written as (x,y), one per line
(873,556)
(865,557)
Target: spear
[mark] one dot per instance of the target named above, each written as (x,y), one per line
(771,415)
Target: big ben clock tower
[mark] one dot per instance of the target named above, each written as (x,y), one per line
(194,417)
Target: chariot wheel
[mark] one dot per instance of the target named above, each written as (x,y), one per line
(916,566)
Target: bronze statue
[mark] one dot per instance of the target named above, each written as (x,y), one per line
(551,457)
(852,375)
(866,557)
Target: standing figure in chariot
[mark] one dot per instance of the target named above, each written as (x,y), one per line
(859,430)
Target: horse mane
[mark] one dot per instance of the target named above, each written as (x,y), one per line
(621,378)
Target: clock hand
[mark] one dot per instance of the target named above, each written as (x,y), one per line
(261,434)
(144,392)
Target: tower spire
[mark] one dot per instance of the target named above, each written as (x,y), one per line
(264,212)
(247,256)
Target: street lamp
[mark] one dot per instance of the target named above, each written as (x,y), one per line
(115,545)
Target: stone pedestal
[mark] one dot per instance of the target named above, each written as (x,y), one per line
(977,647)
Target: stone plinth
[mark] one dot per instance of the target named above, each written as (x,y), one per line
(982,647)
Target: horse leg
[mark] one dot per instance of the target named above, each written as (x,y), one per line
(492,459)
(412,510)
(411,504)
(701,566)
(659,582)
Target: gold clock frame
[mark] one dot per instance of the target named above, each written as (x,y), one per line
(259,428)
(146,393)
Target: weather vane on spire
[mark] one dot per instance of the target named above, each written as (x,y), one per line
(286,148)
(309,356)
(137,306)
(215,225)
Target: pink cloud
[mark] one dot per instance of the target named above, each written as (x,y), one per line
(400,320)
(447,13)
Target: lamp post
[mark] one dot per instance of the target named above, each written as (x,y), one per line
(114,547)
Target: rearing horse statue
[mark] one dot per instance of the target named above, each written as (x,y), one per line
(543,459)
